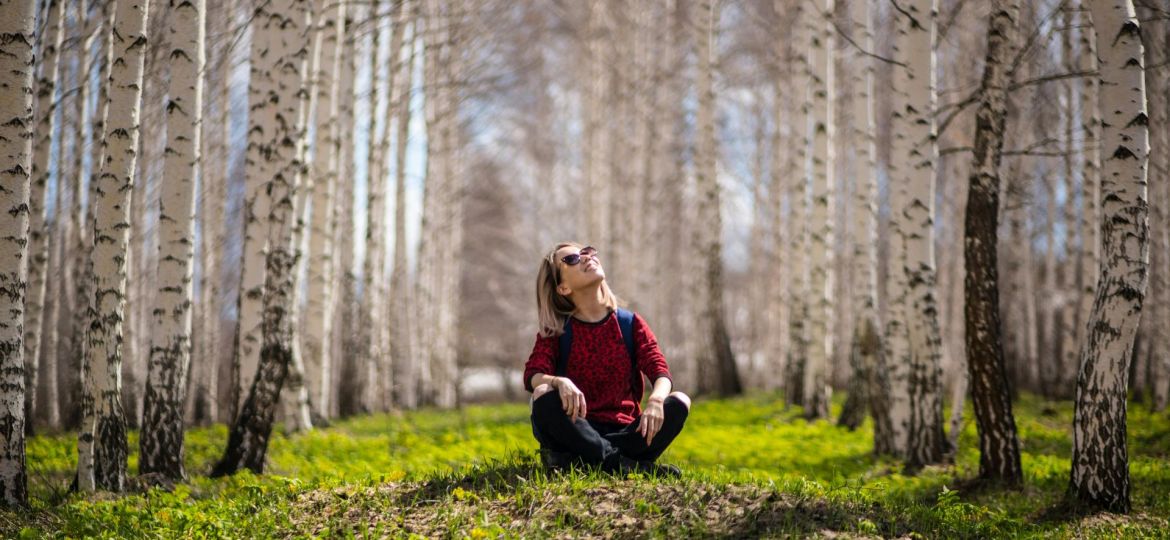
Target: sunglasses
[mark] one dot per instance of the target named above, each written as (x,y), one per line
(573,258)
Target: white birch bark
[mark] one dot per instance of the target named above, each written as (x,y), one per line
(399,288)
(17,24)
(821,270)
(257,207)
(102,460)
(1089,255)
(375,215)
(1100,465)
(280,52)
(330,29)
(170,351)
(717,370)
(926,443)
(799,215)
(46,90)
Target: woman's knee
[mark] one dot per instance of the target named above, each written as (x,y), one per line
(541,390)
(682,398)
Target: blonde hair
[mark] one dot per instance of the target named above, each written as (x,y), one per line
(553,308)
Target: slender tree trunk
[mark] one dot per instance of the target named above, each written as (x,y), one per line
(46,91)
(259,170)
(866,388)
(1158,53)
(102,464)
(327,62)
(375,236)
(926,443)
(1100,463)
(346,389)
(798,258)
(1069,317)
(170,352)
(399,286)
(1089,255)
(718,372)
(999,448)
(280,49)
(17,24)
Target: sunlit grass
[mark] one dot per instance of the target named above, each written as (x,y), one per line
(752,467)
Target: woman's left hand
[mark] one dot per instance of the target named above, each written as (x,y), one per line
(652,419)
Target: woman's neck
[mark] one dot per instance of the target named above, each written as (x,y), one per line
(589,305)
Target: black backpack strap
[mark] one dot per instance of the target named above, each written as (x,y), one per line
(626,323)
(563,347)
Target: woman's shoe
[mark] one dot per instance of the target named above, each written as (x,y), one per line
(555,461)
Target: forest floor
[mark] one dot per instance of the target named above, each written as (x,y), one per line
(752,468)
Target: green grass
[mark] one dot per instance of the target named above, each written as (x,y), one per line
(752,468)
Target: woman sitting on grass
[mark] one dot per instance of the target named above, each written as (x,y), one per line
(585,373)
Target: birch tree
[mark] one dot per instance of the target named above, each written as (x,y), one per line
(17,24)
(865,355)
(1100,463)
(330,30)
(372,293)
(399,290)
(915,85)
(821,271)
(280,54)
(999,447)
(102,447)
(717,369)
(38,228)
(170,352)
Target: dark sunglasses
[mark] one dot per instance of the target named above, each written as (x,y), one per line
(573,258)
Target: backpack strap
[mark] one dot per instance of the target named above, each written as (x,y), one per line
(563,347)
(626,325)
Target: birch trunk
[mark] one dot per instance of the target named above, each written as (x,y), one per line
(170,351)
(926,443)
(866,388)
(346,390)
(999,447)
(1089,255)
(718,372)
(280,50)
(1069,316)
(1158,48)
(259,169)
(330,29)
(399,288)
(17,24)
(1100,464)
(376,210)
(102,460)
(821,271)
(798,258)
(46,90)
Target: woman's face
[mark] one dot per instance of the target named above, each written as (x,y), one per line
(586,273)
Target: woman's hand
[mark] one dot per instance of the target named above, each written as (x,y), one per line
(652,419)
(572,400)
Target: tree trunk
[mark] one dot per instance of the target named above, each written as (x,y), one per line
(999,448)
(717,369)
(170,350)
(821,271)
(102,458)
(46,88)
(1100,464)
(280,46)
(926,443)
(327,62)
(17,24)
(866,350)
(1158,53)
(398,302)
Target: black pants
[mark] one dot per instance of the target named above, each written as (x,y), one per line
(600,443)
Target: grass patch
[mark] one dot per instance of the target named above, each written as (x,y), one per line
(752,467)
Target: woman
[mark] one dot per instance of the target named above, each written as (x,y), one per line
(586,400)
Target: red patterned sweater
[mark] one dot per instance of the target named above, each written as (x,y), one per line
(600,366)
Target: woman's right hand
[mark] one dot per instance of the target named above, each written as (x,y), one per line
(572,400)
